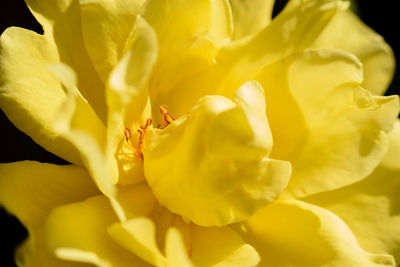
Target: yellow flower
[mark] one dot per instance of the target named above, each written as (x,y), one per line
(201,133)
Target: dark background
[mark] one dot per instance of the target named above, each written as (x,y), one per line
(16,146)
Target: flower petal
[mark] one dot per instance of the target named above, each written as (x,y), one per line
(212,166)
(189,242)
(293,233)
(346,31)
(61,20)
(106,25)
(127,97)
(78,232)
(371,207)
(294,30)
(28,101)
(249,17)
(348,126)
(78,123)
(30,190)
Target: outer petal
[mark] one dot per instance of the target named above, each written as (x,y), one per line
(371,207)
(347,32)
(347,125)
(106,25)
(78,232)
(293,233)
(294,30)
(61,20)
(163,238)
(203,246)
(30,190)
(77,122)
(30,94)
(249,17)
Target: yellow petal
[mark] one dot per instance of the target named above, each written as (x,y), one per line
(347,32)
(295,29)
(78,123)
(249,17)
(78,232)
(30,190)
(187,50)
(348,126)
(185,244)
(106,25)
(211,166)
(61,20)
(127,96)
(293,233)
(371,207)
(30,94)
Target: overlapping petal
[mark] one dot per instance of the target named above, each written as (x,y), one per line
(293,233)
(30,190)
(348,126)
(62,25)
(371,207)
(31,103)
(346,31)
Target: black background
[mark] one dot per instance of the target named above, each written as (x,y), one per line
(16,146)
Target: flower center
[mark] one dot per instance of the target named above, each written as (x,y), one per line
(211,165)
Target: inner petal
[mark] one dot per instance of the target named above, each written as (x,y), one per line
(211,166)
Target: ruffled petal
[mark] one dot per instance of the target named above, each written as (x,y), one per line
(30,190)
(371,207)
(78,232)
(28,101)
(106,25)
(185,244)
(293,233)
(249,17)
(346,31)
(61,20)
(292,31)
(348,126)
(212,166)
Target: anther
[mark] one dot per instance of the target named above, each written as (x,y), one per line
(166,117)
(142,132)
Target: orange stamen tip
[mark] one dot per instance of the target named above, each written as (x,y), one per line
(128,135)
(166,117)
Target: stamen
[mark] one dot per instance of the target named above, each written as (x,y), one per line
(166,117)
(142,132)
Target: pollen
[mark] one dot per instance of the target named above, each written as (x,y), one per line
(142,132)
(166,117)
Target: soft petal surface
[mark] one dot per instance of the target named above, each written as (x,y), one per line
(127,100)
(29,102)
(77,122)
(30,190)
(189,244)
(106,25)
(249,17)
(293,30)
(371,207)
(347,125)
(61,20)
(293,233)
(347,32)
(212,166)
(78,232)
(187,50)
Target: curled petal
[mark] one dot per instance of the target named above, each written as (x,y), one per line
(293,233)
